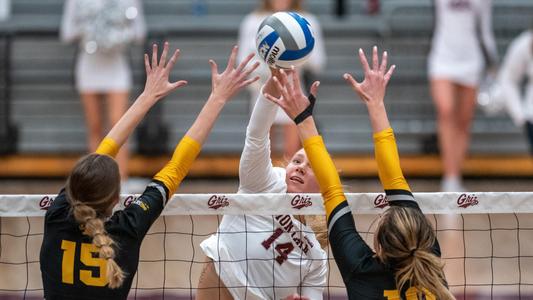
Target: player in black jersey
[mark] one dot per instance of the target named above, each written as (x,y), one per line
(406,263)
(90,253)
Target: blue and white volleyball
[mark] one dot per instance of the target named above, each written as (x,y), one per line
(285,39)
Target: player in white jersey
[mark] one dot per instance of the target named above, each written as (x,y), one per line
(518,65)
(463,44)
(266,257)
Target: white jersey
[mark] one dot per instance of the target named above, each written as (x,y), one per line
(518,64)
(265,257)
(462,27)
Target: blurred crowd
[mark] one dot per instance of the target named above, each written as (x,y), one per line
(463,55)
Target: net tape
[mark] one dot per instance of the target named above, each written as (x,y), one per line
(301,204)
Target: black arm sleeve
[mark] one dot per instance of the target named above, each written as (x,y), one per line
(349,248)
(142,212)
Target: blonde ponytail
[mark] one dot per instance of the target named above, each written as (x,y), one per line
(93,227)
(319,226)
(424,270)
(405,239)
(93,187)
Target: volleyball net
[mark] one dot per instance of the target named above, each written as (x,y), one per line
(486,240)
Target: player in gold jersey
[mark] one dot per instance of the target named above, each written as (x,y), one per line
(405,263)
(90,253)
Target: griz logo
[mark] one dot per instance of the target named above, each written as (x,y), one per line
(128,200)
(46,202)
(216,202)
(300,202)
(465,200)
(381,201)
(273,54)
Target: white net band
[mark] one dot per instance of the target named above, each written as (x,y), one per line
(300,204)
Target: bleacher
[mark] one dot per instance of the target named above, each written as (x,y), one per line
(47,111)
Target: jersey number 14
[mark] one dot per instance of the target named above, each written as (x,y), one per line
(283,249)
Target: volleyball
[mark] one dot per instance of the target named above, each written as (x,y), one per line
(285,39)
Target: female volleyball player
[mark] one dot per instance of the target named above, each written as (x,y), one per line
(266,257)
(90,253)
(406,263)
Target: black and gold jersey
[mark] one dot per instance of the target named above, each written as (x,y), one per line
(364,275)
(70,266)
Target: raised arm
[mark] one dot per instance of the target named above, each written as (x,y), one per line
(256,172)
(224,86)
(347,245)
(157,86)
(372,92)
(166,181)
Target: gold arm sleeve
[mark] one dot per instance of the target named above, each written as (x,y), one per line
(178,167)
(108,146)
(325,172)
(388,160)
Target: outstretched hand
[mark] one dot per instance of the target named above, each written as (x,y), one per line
(292,99)
(226,84)
(158,72)
(372,89)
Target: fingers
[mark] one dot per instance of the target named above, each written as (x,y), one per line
(384,61)
(154,56)
(364,62)
(163,59)
(249,81)
(375,58)
(245,62)
(172,60)
(248,71)
(147,64)
(295,79)
(314,88)
(349,78)
(232,58)
(179,84)
(389,74)
(282,88)
(214,68)
(283,79)
(273,99)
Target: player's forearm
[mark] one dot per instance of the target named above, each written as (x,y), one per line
(261,119)
(177,168)
(307,128)
(325,172)
(133,116)
(378,116)
(388,160)
(206,119)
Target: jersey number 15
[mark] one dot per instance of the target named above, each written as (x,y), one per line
(87,259)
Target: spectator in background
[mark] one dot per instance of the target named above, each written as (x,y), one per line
(103,29)
(463,45)
(517,64)
(313,66)
(5,9)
